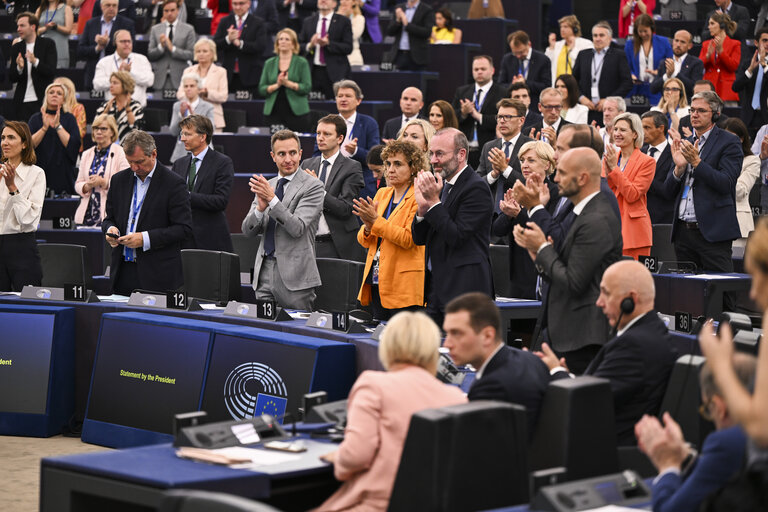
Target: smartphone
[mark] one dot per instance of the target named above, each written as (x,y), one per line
(113,235)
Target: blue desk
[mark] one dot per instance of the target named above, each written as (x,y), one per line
(138,477)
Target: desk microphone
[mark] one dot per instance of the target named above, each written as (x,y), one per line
(292,417)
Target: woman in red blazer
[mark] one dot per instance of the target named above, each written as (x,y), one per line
(630,173)
(721,56)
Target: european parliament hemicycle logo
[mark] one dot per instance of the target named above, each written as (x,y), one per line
(252,389)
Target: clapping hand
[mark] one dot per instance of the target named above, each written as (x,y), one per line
(610,158)
(8,173)
(508,205)
(427,188)
(262,190)
(367,210)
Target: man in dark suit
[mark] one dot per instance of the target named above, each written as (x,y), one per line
(687,477)
(655,130)
(525,65)
(267,11)
(548,128)
(685,127)
(737,13)
(472,335)
(521,92)
(411,26)
(241,40)
(326,38)
(683,66)
(411,103)
(601,72)
(703,186)
(209,176)
(292,13)
(499,161)
(475,106)
(342,178)
(97,39)
(638,360)
(362,131)
(39,53)
(590,245)
(453,221)
(148,211)
(125,8)
(752,84)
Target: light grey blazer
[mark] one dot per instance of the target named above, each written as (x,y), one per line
(296,217)
(203,108)
(178,60)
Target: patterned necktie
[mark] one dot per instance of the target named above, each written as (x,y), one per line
(323,33)
(269,236)
(192,173)
(324,171)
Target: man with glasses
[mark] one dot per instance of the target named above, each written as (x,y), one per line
(475,106)
(209,176)
(498,159)
(525,65)
(601,72)
(703,185)
(683,66)
(125,59)
(241,39)
(550,105)
(687,477)
(96,41)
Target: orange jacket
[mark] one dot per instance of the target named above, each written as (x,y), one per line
(631,189)
(401,262)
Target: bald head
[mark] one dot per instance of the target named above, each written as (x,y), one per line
(411,101)
(626,279)
(578,174)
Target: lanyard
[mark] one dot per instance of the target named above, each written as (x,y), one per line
(117,65)
(96,164)
(524,68)
(596,71)
(134,208)
(49,17)
(391,199)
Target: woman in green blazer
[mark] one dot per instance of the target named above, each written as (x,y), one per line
(285,83)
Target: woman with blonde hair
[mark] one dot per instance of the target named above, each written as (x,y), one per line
(393,278)
(673,103)
(97,165)
(536,157)
(380,408)
(215,85)
(417,131)
(562,54)
(56,139)
(22,192)
(72,106)
(128,113)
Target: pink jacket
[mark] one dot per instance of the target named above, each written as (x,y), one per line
(116,162)
(380,408)
(218,91)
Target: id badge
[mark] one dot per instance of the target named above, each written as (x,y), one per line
(685,191)
(595,93)
(375,274)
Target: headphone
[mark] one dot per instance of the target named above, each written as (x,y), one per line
(627,306)
(715,116)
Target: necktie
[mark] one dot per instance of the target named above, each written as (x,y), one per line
(170,32)
(254,6)
(324,171)
(500,182)
(446,190)
(560,205)
(192,173)
(652,151)
(323,33)
(758,88)
(506,149)
(269,236)
(239,31)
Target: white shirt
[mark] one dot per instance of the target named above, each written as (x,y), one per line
(142,187)
(678,66)
(318,31)
(20,213)
(489,177)
(660,147)
(161,46)
(199,162)
(322,227)
(30,94)
(632,322)
(141,71)
(350,124)
(485,88)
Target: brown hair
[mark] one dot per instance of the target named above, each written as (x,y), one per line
(642,21)
(483,312)
(200,124)
(725,22)
(33,20)
(284,135)
(449,115)
(416,158)
(22,130)
(518,105)
(573,22)
(337,121)
(126,81)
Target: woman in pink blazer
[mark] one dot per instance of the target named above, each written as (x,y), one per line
(97,165)
(380,408)
(215,88)
(630,173)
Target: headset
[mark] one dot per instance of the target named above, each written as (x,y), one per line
(626,307)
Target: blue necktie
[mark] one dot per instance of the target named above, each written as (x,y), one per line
(500,182)
(324,171)
(758,88)
(269,236)
(446,191)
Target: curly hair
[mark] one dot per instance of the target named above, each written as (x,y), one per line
(416,158)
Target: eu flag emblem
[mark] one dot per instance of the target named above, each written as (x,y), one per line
(270,404)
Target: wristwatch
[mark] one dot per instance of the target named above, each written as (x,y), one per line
(58,127)
(13,193)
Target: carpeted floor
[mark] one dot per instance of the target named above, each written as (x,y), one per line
(20,467)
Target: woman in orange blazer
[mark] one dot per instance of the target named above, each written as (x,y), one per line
(394,267)
(215,85)
(630,173)
(380,408)
(721,56)
(97,165)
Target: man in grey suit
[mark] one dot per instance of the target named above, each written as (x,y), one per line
(192,104)
(343,178)
(575,328)
(286,210)
(171,48)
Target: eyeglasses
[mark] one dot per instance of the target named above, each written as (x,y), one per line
(99,129)
(704,410)
(551,107)
(672,89)
(504,117)
(699,111)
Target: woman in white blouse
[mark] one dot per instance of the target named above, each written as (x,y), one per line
(573,111)
(97,165)
(22,191)
(351,9)
(750,174)
(562,54)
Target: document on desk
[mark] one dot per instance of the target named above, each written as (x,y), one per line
(258,457)
(512,299)
(710,276)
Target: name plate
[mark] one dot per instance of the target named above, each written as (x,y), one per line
(683,321)
(169,94)
(650,262)
(80,294)
(243,94)
(63,223)
(376,334)
(97,95)
(260,310)
(335,321)
(176,300)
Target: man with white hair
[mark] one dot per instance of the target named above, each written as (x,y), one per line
(639,359)
(96,41)
(612,106)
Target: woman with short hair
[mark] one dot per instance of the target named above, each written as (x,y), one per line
(128,113)
(417,131)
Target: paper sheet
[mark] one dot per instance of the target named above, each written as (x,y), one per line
(710,276)
(259,457)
